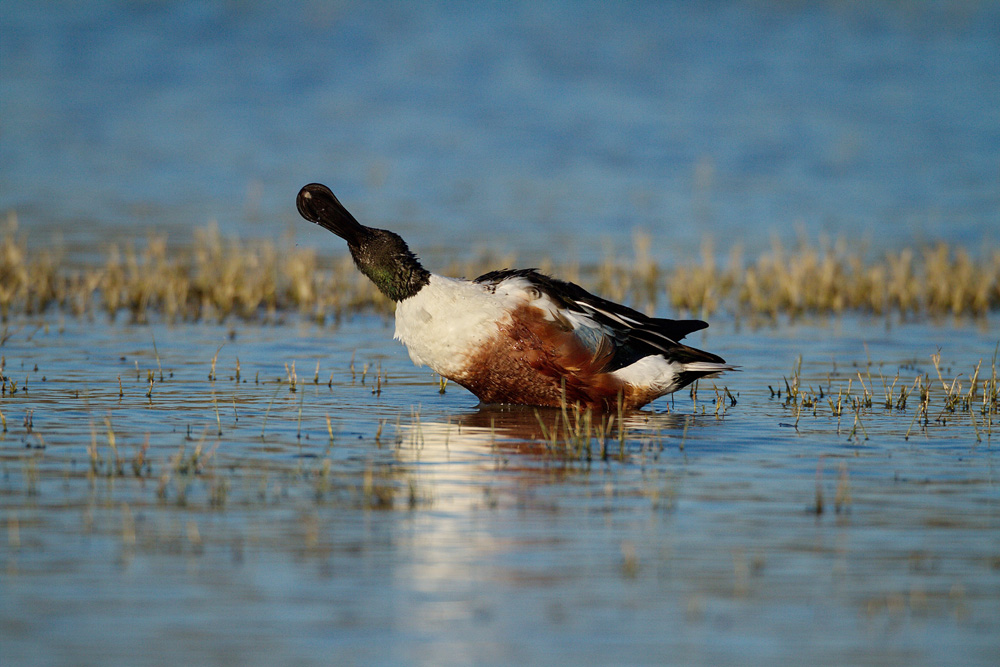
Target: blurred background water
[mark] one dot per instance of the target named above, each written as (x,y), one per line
(534,127)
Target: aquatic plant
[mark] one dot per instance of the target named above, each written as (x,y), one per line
(974,398)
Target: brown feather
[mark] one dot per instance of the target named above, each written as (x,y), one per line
(536,361)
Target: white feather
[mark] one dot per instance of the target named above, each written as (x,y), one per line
(627,321)
(653,371)
(519,290)
(447,321)
(659,374)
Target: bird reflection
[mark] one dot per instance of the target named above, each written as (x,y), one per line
(544,431)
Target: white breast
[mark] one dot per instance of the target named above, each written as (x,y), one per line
(447,321)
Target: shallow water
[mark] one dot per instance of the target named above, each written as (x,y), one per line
(430,530)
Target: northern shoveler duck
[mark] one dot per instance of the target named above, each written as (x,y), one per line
(517,336)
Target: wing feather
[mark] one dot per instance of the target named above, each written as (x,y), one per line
(636,334)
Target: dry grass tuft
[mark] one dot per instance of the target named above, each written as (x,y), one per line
(936,280)
(216,278)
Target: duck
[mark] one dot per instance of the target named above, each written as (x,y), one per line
(517,336)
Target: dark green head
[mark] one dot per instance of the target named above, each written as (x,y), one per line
(379,254)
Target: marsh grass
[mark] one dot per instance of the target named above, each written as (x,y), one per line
(571,432)
(934,280)
(215,278)
(972,398)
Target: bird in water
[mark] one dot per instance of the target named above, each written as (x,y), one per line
(518,336)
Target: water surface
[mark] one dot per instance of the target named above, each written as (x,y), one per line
(433,530)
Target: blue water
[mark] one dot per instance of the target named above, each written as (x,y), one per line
(696,541)
(537,127)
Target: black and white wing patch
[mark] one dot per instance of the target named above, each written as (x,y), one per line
(637,335)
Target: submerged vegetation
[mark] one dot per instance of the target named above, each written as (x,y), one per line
(215,278)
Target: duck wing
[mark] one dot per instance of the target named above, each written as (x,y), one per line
(599,322)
